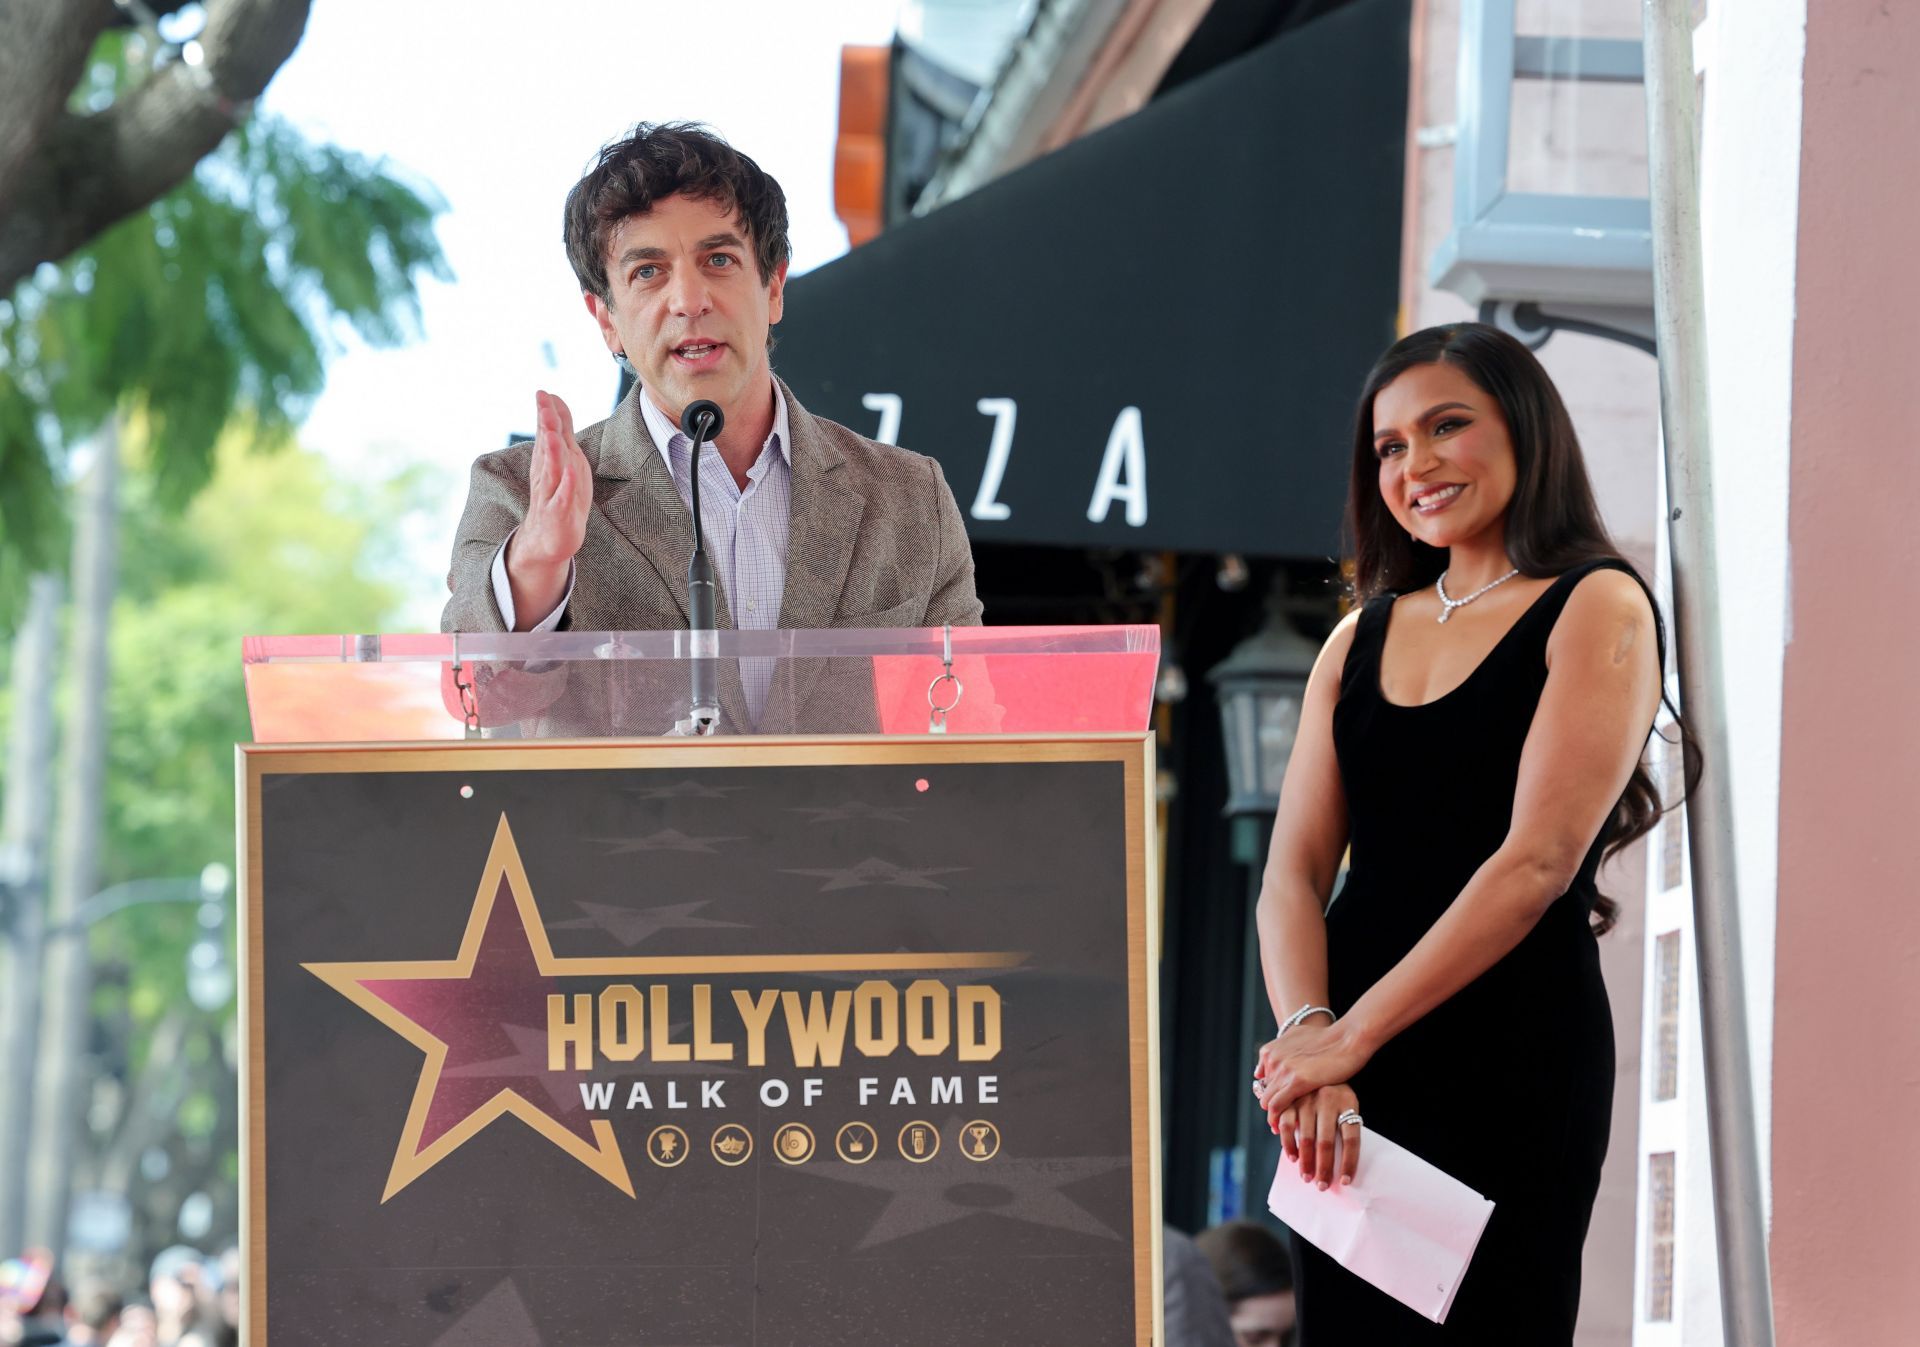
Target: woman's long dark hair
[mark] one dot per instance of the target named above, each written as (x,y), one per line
(1552,523)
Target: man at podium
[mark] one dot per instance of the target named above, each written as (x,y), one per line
(680,245)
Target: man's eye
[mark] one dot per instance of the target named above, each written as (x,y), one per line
(645,273)
(722,259)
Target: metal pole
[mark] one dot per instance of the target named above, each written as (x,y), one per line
(24,829)
(1740,1225)
(65,1061)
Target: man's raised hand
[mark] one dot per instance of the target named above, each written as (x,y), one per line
(561,488)
(559,497)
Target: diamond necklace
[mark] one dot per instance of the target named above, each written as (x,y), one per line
(1448,605)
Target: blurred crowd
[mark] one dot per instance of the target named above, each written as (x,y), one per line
(1229,1286)
(189,1300)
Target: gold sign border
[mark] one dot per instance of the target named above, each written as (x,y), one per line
(254,762)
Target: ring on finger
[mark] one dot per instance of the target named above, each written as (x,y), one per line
(1349,1116)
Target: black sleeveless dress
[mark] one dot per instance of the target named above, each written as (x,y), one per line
(1508,1085)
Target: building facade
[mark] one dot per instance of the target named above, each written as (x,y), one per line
(1524,201)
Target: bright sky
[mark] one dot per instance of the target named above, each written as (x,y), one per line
(500,107)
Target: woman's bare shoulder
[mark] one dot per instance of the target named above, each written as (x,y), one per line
(1340,639)
(1606,607)
(1332,661)
(1606,592)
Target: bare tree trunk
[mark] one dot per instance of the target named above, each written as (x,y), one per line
(151,1099)
(23,856)
(76,871)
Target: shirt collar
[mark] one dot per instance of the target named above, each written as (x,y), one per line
(663,433)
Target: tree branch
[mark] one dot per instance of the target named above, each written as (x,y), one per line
(89,172)
(43,53)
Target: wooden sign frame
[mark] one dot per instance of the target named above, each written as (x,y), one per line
(338,834)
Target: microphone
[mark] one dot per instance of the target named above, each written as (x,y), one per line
(701,421)
(708,420)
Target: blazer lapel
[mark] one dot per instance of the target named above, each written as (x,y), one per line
(824,519)
(641,503)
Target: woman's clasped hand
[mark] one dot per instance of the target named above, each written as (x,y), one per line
(1301,1081)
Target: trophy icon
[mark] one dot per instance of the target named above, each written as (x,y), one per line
(980,1140)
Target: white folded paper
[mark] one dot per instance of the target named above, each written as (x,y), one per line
(1403,1225)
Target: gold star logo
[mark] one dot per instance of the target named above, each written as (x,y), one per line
(451,1009)
(463,1014)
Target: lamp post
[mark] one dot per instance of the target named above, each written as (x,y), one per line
(1260,686)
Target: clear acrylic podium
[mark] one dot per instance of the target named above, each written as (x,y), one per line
(597,685)
(839,1025)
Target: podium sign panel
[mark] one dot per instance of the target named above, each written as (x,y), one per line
(750,1041)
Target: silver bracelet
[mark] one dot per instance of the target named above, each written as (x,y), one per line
(1302,1013)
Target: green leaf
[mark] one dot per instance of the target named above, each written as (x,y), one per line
(209,308)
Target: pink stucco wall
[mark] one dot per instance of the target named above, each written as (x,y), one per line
(1846,1077)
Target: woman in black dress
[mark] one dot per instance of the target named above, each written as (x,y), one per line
(1474,731)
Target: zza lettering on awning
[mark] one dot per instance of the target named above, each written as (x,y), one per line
(1151,338)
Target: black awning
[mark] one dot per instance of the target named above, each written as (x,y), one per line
(1178,309)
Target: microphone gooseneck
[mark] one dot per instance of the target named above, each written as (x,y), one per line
(702,420)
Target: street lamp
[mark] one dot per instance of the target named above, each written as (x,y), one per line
(209,971)
(1260,686)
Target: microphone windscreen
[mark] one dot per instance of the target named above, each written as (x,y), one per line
(698,411)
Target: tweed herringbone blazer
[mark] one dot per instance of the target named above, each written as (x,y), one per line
(876,541)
